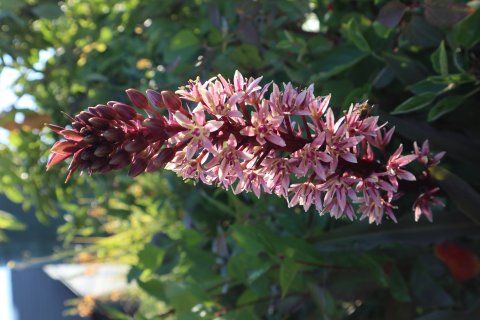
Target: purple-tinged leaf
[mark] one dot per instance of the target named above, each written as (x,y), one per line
(391,14)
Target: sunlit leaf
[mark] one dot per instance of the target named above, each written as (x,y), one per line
(414,103)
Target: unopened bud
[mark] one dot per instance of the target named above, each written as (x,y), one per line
(155,98)
(138,99)
(84,116)
(90,139)
(106,112)
(71,135)
(160,160)
(171,100)
(137,167)
(120,159)
(136,145)
(99,163)
(113,134)
(103,150)
(87,154)
(64,147)
(124,111)
(99,123)
(55,128)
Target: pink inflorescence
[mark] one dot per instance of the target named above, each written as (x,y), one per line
(235,137)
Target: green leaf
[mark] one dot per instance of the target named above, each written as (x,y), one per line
(247,267)
(439,60)
(337,61)
(398,286)
(414,103)
(151,257)
(153,287)
(440,83)
(375,268)
(48,11)
(323,299)
(319,44)
(8,221)
(353,33)
(425,86)
(183,296)
(406,231)
(247,56)
(444,106)
(288,271)
(466,198)
(183,39)
(219,205)
(466,32)
(405,68)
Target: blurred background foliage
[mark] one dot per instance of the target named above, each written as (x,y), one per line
(196,252)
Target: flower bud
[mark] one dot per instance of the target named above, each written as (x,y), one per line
(77,125)
(72,135)
(55,128)
(171,100)
(155,98)
(103,150)
(124,111)
(106,112)
(154,123)
(87,154)
(113,134)
(138,99)
(120,159)
(137,167)
(90,139)
(99,163)
(136,145)
(64,147)
(160,160)
(99,123)
(84,116)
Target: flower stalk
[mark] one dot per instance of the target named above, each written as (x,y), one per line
(236,137)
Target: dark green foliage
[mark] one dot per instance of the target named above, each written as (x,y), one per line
(198,252)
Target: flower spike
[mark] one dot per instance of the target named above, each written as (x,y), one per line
(238,139)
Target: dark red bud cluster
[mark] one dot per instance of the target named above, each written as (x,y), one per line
(113,136)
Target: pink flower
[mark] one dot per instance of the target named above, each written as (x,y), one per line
(264,127)
(227,161)
(290,102)
(277,173)
(338,142)
(424,157)
(318,106)
(395,164)
(382,138)
(197,133)
(253,181)
(338,190)
(306,194)
(423,202)
(310,158)
(375,211)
